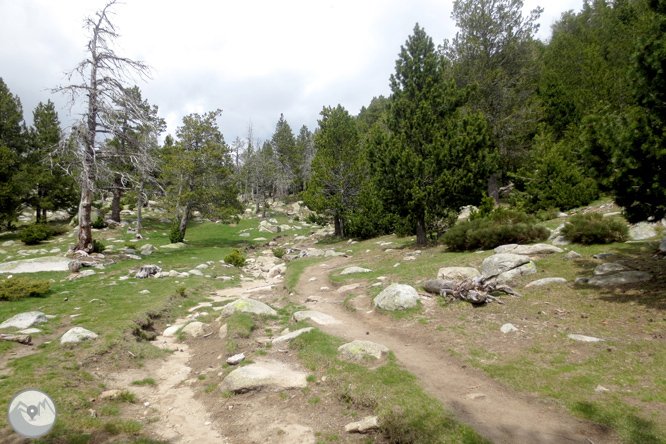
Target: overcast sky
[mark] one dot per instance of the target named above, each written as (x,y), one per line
(254,59)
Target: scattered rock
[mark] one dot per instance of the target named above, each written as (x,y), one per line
(582,280)
(236,359)
(572,255)
(246,305)
(76,335)
(29,331)
(110,394)
(172,331)
(561,241)
(601,389)
(174,246)
(625,277)
(223,332)
(147,271)
(8,244)
(144,292)
(352,270)
(397,297)
(457,273)
(315,316)
(507,328)
(196,272)
(349,287)
(270,376)
(501,263)
(609,268)
(603,255)
(545,281)
(34,265)
(24,320)
(195,329)
(291,336)
(528,250)
(367,424)
(642,231)
(357,350)
(583,338)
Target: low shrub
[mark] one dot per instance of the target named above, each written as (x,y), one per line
(502,226)
(593,228)
(99,223)
(235,258)
(174,235)
(279,252)
(19,288)
(35,233)
(98,246)
(314,218)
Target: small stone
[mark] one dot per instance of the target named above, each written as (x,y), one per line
(365,425)
(144,292)
(236,359)
(601,389)
(583,338)
(507,328)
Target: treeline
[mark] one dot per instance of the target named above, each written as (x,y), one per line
(492,112)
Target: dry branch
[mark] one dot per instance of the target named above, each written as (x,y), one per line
(474,290)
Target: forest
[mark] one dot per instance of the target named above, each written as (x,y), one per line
(492,116)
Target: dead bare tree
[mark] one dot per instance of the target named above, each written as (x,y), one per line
(104,79)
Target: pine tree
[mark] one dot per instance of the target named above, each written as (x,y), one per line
(13,138)
(338,168)
(436,157)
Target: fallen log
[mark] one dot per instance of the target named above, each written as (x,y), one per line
(474,290)
(21,339)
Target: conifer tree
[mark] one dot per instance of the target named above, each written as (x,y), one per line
(436,156)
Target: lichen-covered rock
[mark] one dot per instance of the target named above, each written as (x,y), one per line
(273,376)
(642,231)
(397,297)
(457,273)
(24,320)
(623,277)
(357,350)
(76,335)
(247,305)
(501,263)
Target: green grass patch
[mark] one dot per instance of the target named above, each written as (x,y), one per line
(145,381)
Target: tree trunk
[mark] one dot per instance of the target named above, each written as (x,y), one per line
(421,236)
(339,226)
(183,220)
(38,214)
(85,211)
(263,214)
(44,217)
(115,202)
(493,187)
(139,205)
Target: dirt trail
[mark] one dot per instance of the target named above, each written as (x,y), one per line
(496,412)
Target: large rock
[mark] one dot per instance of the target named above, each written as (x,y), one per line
(174,246)
(268,376)
(397,297)
(46,263)
(352,270)
(291,336)
(609,268)
(501,263)
(523,270)
(76,335)
(623,277)
(528,250)
(367,424)
(457,273)
(357,350)
(641,231)
(315,316)
(247,305)
(24,320)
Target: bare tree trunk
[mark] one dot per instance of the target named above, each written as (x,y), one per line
(38,215)
(183,220)
(421,236)
(115,202)
(85,211)
(263,214)
(139,206)
(339,226)
(493,187)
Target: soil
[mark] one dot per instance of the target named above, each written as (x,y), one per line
(186,412)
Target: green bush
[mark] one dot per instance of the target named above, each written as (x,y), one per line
(314,218)
(174,234)
(502,226)
(593,228)
(34,234)
(235,258)
(98,246)
(548,214)
(279,252)
(99,223)
(19,288)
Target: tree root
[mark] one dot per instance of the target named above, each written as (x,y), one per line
(474,290)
